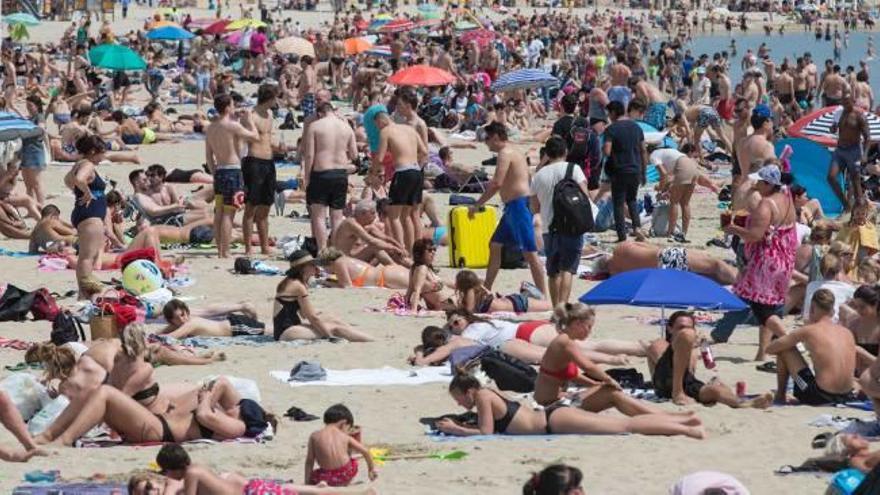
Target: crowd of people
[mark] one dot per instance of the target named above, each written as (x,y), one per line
(373,161)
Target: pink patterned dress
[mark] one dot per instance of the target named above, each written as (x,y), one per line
(767,274)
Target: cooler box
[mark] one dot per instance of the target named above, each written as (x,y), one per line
(469,237)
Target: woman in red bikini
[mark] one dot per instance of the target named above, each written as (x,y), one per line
(565,362)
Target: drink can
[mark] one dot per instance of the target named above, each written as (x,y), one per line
(708,358)
(740,388)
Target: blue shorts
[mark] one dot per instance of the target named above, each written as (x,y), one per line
(33,155)
(227,183)
(563,253)
(515,228)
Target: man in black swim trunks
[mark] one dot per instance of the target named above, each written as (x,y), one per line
(258,171)
(832,349)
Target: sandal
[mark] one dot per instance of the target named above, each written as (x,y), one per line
(768,367)
(298,414)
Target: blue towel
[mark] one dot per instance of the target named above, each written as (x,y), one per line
(15,254)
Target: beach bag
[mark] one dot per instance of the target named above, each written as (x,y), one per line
(15,304)
(871,484)
(660,219)
(627,377)
(508,372)
(572,214)
(44,306)
(66,328)
(103,324)
(26,392)
(462,358)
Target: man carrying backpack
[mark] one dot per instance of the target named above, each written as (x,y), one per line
(582,142)
(559,194)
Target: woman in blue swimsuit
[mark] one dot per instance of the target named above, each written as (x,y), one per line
(90,207)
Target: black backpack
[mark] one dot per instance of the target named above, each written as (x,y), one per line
(66,328)
(508,372)
(584,139)
(572,213)
(15,304)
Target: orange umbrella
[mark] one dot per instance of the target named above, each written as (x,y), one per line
(353,46)
(421,75)
(159,24)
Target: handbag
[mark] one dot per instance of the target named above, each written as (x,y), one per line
(15,304)
(66,328)
(103,325)
(44,306)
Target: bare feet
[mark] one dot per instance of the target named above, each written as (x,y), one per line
(761,402)
(697,432)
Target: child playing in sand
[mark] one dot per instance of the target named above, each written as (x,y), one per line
(51,233)
(331,447)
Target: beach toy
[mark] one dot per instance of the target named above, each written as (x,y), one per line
(142,277)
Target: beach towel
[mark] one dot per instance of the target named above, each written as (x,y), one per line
(73,488)
(15,254)
(18,345)
(374,376)
(245,340)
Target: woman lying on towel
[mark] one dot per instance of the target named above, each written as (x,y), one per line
(181,475)
(352,272)
(473,296)
(524,340)
(497,414)
(136,424)
(635,255)
(564,362)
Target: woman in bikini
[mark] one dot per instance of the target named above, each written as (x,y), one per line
(565,362)
(865,325)
(424,284)
(474,297)
(352,272)
(136,424)
(635,255)
(292,305)
(497,414)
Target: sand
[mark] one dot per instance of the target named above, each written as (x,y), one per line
(745,443)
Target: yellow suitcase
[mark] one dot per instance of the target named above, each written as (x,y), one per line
(469,237)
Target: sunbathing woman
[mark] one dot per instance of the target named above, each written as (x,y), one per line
(564,362)
(497,414)
(136,424)
(424,284)
(292,305)
(635,255)
(474,297)
(227,320)
(672,361)
(352,272)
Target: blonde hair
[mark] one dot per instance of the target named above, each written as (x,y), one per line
(829,266)
(58,361)
(133,340)
(566,313)
(868,271)
(839,247)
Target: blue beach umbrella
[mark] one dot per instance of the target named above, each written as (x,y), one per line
(22,18)
(12,126)
(657,288)
(525,79)
(169,33)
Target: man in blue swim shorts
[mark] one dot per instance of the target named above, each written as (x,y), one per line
(516,229)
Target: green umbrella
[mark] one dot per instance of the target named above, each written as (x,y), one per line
(116,57)
(21,18)
(19,32)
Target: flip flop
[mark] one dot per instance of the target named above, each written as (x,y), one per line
(768,367)
(298,414)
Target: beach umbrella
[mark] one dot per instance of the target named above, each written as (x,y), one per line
(818,125)
(162,24)
(18,32)
(245,23)
(21,18)
(658,288)
(12,126)
(421,75)
(525,79)
(218,27)
(384,51)
(397,26)
(384,17)
(169,33)
(482,36)
(465,25)
(233,38)
(354,46)
(295,45)
(116,57)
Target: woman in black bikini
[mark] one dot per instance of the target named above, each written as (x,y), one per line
(866,326)
(498,415)
(292,306)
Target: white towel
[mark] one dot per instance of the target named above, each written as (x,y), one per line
(376,376)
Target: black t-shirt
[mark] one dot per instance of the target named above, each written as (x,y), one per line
(577,153)
(626,138)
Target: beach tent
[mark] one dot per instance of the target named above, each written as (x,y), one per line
(658,288)
(809,165)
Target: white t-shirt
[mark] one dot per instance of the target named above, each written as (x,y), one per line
(492,334)
(545,181)
(666,158)
(842,291)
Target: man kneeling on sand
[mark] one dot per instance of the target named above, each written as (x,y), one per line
(833,350)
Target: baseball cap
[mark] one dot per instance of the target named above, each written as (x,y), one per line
(769,174)
(762,110)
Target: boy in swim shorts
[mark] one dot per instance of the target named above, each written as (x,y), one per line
(331,446)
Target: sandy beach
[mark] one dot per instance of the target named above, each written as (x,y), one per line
(749,444)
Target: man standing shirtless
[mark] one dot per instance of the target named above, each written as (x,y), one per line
(328,150)
(258,170)
(222,144)
(516,228)
(655,113)
(408,151)
(853,141)
(308,84)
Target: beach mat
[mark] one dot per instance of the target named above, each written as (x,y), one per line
(809,165)
(375,376)
(71,489)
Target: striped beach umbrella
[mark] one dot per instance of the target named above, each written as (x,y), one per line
(12,126)
(525,79)
(384,51)
(820,126)
(397,26)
